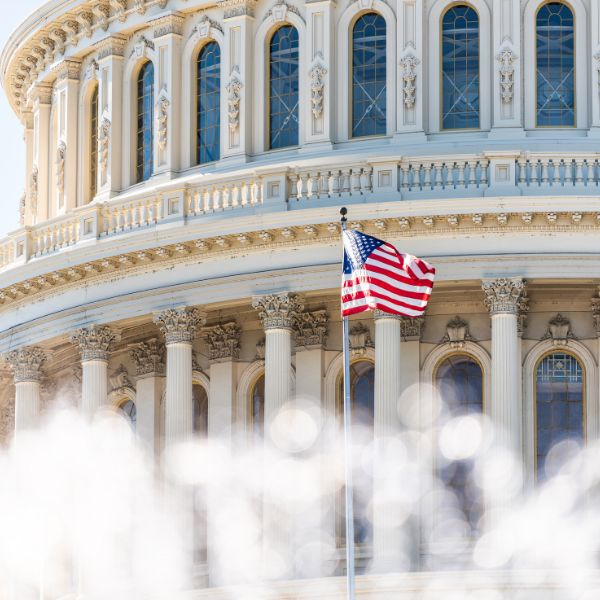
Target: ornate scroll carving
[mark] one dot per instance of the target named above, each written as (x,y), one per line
(139,6)
(311,329)
(317,85)
(140,50)
(506,58)
(33,188)
(279,12)
(85,20)
(203,27)
(59,37)
(559,331)
(71,28)
(223,341)
(104,142)
(503,295)
(148,357)
(457,333)
(26,363)
(61,152)
(22,210)
(163,120)
(234,97)
(596,313)
(101,11)
(179,325)
(278,311)
(94,342)
(411,328)
(359,338)
(119,379)
(119,7)
(408,64)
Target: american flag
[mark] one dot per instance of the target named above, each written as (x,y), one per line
(377,276)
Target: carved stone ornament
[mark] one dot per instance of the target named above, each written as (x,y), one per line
(71,28)
(60,166)
(101,11)
(119,7)
(411,328)
(279,12)
(311,329)
(359,338)
(408,65)
(260,349)
(140,50)
(506,57)
(457,333)
(163,120)
(86,21)
(104,143)
(559,331)
(597,59)
(203,28)
(223,341)
(596,313)
(317,85)
(94,342)
(179,325)
(92,70)
(237,8)
(234,97)
(148,357)
(139,6)
(119,379)
(22,206)
(278,311)
(503,295)
(523,309)
(26,363)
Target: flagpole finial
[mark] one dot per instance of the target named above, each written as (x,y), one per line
(343,212)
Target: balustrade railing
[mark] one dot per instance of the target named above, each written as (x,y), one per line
(225,195)
(315,184)
(555,170)
(426,174)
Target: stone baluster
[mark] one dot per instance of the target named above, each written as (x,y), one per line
(179,325)
(26,364)
(94,343)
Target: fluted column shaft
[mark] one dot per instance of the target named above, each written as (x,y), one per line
(26,364)
(179,327)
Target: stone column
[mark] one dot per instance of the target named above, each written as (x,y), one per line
(94,343)
(41,97)
(64,155)
(26,364)
(278,313)
(28,212)
(167,39)
(503,298)
(110,116)
(313,518)
(179,327)
(149,386)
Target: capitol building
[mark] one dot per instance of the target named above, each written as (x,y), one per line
(179,254)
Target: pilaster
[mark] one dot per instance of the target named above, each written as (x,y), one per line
(236,103)
(110,116)
(595,65)
(30,201)
(41,97)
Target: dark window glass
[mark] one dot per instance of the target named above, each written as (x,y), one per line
(200,409)
(459,381)
(362,398)
(559,403)
(145,118)
(129,409)
(283,87)
(555,69)
(460,68)
(208,85)
(368,76)
(94,143)
(257,406)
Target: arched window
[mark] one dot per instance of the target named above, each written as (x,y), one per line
(257,406)
(459,381)
(129,411)
(460,68)
(369,76)
(283,87)
(362,399)
(208,103)
(555,65)
(93,143)
(145,119)
(559,403)
(200,409)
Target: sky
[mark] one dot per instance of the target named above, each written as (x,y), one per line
(12,149)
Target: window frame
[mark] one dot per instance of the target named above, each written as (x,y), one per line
(196,110)
(139,75)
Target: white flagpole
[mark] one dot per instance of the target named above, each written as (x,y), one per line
(350,583)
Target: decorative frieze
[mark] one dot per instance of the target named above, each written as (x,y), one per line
(503,295)
(168,25)
(408,66)
(237,8)
(223,341)
(317,85)
(148,357)
(359,338)
(457,333)
(26,363)
(311,329)
(278,311)
(179,325)
(559,331)
(111,46)
(94,342)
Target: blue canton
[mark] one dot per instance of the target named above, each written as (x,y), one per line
(357,248)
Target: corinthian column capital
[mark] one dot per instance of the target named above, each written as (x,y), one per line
(223,341)
(179,325)
(278,311)
(311,329)
(149,357)
(503,296)
(94,342)
(26,363)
